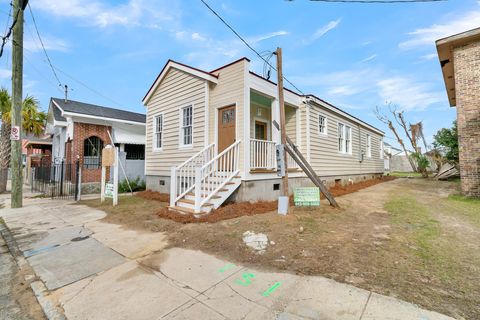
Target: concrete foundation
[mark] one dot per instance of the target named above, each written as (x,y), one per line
(267,189)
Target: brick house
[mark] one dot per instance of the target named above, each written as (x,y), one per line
(80,131)
(459,57)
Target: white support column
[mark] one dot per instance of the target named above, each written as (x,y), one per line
(198,188)
(246,121)
(102,187)
(173,186)
(115,178)
(275,116)
(307,126)
(207,114)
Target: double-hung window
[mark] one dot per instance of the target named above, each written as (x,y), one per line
(186,133)
(369,146)
(344,138)
(322,124)
(381,149)
(158,132)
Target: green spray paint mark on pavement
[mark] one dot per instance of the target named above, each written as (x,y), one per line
(246,279)
(228,266)
(271,289)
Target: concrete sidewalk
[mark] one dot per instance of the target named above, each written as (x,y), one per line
(94,270)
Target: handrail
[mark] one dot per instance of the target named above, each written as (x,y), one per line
(195,155)
(182,177)
(221,153)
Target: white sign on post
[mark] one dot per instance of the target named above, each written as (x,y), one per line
(109,189)
(15,133)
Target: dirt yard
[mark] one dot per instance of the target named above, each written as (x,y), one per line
(408,238)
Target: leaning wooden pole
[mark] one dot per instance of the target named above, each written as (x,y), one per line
(17,94)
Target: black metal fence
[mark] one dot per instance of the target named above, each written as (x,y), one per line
(59,181)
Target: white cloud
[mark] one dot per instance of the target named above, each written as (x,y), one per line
(320,32)
(197,36)
(5,74)
(267,36)
(373,56)
(408,94)
(430,56)
(428,35)
(51,44)
(97,13)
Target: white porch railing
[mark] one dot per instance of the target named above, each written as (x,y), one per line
(262,154)
(215,174)
(182,178)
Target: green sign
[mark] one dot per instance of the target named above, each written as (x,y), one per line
(306,196)
(109,190)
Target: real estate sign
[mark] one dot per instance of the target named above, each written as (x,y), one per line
(306,196)
(109,190)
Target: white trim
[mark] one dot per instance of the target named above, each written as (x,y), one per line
(307,126)
(181,145)
(368,145)
(246,120)
(269,89)
(325,124)
(81,115)
(298,133)
(345,126)
(344,114)
(172,64)
(207,114)
(154,131)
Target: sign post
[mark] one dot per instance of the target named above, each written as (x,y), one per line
(109,159)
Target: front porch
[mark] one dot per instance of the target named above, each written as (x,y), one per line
(264,137)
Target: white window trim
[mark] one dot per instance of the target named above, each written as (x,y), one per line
(369,145)
(381,149)
(154,131)
(343,151)
(325,124)
(180,126)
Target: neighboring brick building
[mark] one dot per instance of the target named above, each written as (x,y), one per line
(460,60)
(80,131)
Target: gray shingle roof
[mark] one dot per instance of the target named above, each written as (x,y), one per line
(57,113)
(94,110)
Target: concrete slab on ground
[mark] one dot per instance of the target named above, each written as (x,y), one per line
(128,291)
(68,263)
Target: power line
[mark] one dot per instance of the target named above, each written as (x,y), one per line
(43,47)
(8,33)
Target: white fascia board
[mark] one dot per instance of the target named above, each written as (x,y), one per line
(269,89)
(343,114)
(59,123)
(86,116)
(186,69)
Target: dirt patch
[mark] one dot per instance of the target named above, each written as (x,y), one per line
(235,210)
(153,195)
(24,296)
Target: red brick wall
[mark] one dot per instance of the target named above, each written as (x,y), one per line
(74,148)
(467,87)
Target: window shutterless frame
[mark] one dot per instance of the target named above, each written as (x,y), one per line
(322,124)
(344,133)
(157,132)
(186,126)
(369,146)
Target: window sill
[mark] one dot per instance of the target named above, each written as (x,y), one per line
(157,149)
(187,146)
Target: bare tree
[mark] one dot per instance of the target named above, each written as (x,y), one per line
(398,116)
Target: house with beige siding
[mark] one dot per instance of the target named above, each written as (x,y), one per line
(209,137)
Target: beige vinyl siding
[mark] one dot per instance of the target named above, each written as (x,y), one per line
(266,117)
(291,123)
(177,90)
(230,90)
(324,155)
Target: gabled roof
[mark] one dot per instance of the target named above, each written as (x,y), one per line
(80,108)
(180,66)
(57,113)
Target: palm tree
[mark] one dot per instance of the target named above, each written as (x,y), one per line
(33,121)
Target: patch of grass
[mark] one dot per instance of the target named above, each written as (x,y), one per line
(406,174)
(421,227)
(466,206)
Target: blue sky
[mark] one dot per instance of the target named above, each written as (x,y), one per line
(354,56)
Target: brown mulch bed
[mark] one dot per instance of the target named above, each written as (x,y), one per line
(234,210)
(153,195)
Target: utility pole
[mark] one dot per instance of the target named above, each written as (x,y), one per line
(17,97)
(281,103)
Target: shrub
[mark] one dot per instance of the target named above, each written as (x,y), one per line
(136,185)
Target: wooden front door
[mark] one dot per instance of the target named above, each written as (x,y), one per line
(226,127)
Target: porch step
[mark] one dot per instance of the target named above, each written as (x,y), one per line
(182,210)
(204,195)
(193,202)
(221,190)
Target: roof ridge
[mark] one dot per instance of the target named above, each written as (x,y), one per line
(97,106)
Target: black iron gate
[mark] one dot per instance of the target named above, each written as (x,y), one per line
(58,181)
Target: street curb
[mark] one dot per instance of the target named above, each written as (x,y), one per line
(51,311)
